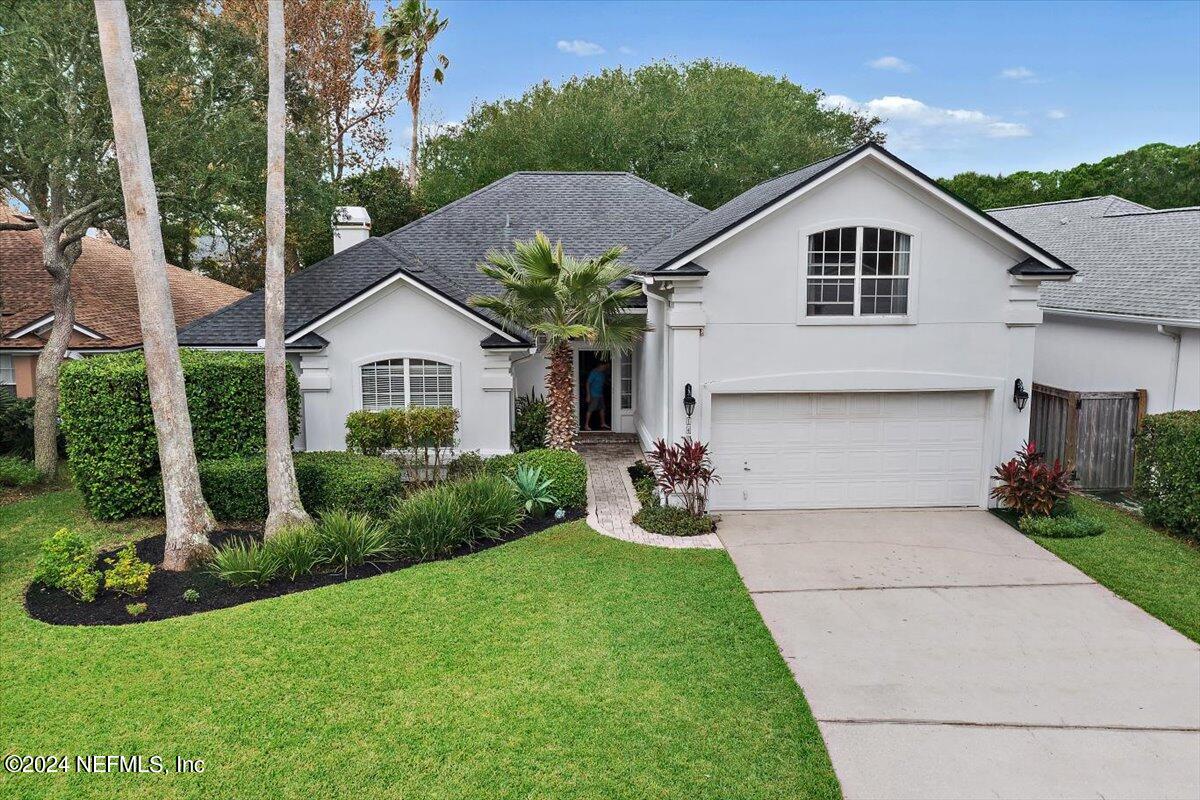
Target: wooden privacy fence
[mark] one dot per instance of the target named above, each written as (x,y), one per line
(1091,433)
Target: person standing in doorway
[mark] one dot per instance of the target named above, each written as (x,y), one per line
(597,388)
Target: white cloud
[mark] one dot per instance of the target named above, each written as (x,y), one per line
(893,63)
(1056,113)
(579,47)
(911,124)
(1017,73)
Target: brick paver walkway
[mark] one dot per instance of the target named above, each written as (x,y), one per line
(612,501)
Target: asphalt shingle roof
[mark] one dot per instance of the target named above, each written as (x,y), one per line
(1131,259)
(588,211)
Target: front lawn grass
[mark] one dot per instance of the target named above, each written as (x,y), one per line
(1147,567)
(564,665)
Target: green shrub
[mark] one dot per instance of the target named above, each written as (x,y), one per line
(191,595)
(417,436)
(672,521)
(127,574)
(532,415)
(565,468)
(16,425)
(348,540)
(490,509)
(62,553)
(298,549)
(109,426)
(1060,527)
(645,490)
(465,465)
(1166,475)
(236,488)
(135,609)
(244,562)
(18,472)
(429,525)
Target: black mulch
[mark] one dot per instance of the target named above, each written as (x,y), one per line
(164,598)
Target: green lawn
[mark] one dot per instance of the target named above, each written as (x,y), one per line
(564,665)
(1147,567)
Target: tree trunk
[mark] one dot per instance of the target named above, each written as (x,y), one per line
(414,100)
(560,399)
(283,495)
(58,262)
(188,517)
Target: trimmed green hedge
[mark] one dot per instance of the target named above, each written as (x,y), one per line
(236,488)
(111,444)
(1166,477)
(565,468)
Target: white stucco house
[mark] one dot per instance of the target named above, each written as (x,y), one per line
(851,334)
(1131,321)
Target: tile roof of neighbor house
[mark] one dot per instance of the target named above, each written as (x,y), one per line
(1131,259)
(588,211)
(103,288)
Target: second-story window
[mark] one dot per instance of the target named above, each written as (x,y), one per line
(859,271)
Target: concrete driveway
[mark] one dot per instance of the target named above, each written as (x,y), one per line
(947,656)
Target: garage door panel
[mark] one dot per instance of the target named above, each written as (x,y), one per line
(848,450)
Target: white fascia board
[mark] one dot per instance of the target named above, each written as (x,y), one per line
(880,158)
(48,319)
(1171,322)
(398,276)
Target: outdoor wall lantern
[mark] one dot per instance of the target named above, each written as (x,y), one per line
(1020,396)
(689,402)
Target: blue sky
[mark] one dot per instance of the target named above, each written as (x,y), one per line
(992,87)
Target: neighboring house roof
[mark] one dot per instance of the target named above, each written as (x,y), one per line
(106,307)
(760,199)
(1133,260)
(589,211)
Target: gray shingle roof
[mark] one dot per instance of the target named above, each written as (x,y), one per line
(588,211)
(745,205)
(1131,259)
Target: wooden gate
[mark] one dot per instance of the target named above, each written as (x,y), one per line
(1091,433)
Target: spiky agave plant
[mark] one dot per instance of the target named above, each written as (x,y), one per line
(562,299)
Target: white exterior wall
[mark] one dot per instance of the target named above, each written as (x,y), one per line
(1096,355)
(403,322)
(971,327)
(648,376)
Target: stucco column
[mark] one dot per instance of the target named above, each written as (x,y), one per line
(685,326)
(497,385)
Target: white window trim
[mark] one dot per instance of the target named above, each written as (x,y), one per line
(914,271)
(455,374)
(7,365)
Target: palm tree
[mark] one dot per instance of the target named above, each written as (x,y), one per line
(406,37)
(561,299)
(188,517)
(283,495)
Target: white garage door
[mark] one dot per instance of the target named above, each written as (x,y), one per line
(848,450)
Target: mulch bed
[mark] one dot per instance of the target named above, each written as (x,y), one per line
(164,598)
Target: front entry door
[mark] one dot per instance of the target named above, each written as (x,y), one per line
(594,383)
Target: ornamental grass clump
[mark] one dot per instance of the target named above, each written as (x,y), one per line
(490,508)
(429,525)
(298,550)
(244,562)
(1030,486)
(347,540)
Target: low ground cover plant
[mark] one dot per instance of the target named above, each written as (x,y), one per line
(565,468)
(17,472)
(127,574)
(1166,473)
(1030,486)
(673,521)
(1061,526)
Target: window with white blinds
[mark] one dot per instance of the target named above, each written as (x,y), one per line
(406,382)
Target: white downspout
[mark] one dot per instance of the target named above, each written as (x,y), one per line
(1178,337)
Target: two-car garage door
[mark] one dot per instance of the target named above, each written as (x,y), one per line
(860,450)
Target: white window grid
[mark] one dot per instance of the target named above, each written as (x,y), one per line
(858,271)
(8,375)
(402,382)
(627,382)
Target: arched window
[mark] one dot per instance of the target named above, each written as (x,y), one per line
(406,382)
(860,271)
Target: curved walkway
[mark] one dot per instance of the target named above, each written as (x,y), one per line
(612,501)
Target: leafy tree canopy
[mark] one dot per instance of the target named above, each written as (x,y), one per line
(706,130)
(1155,175)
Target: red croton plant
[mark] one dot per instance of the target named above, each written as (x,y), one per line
(1029,485)
(683,469)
